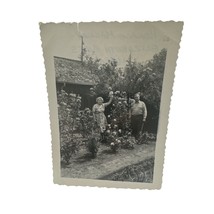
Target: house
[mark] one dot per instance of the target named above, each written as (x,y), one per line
(73,77)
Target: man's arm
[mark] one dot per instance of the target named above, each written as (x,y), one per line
(144,112)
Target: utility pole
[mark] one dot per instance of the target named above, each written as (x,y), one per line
(130,58)
(82,49)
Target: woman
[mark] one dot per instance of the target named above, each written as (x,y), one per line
(98,112)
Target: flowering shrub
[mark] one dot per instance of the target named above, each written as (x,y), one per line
(119,114)
(77,126)
(68,149)
(118,138)
(93,145)
(146,138)
(118,133)
(128,142)
(115,145)
(89,130)
(86,123)
(68,112)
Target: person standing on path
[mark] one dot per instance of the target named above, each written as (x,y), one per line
(98,113)
(138,116)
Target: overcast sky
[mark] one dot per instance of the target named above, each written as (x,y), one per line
(109,40)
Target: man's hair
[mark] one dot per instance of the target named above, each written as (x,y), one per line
(137,95)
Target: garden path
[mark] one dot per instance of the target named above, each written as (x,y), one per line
(106,162)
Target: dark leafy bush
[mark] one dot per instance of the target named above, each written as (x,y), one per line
(146,137)
(93,145)
(68,149)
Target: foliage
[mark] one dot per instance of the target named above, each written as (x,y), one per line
(119,113)
(86,121)
(92,65)
(118,138)
(146,137)
(105,74)
(68,111)
(142,172)
(128,142)
(74,123)
(89,130)
(68,149)
(145,78)
(93,145)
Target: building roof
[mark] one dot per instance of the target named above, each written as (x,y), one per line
(71,71)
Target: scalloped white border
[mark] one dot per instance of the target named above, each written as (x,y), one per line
(172,54)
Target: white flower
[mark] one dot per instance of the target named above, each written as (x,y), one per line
(114,133)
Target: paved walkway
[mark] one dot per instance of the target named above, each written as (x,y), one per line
(83,166)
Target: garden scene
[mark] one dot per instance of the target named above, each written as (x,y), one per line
(113,153)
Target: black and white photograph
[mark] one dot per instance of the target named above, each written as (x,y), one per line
(106,106)
(109,87)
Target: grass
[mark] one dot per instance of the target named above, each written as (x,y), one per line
(126,165)
(141,172)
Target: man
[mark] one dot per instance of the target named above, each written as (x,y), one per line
(138,116)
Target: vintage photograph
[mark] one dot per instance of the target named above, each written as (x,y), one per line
(109,87)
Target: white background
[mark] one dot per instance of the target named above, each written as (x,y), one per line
(25,155)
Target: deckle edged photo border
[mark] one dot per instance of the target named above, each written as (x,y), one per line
(109,88)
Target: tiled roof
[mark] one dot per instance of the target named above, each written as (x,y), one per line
(72,71)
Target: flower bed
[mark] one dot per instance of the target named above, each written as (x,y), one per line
(77,127)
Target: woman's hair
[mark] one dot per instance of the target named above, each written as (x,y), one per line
(99,98)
